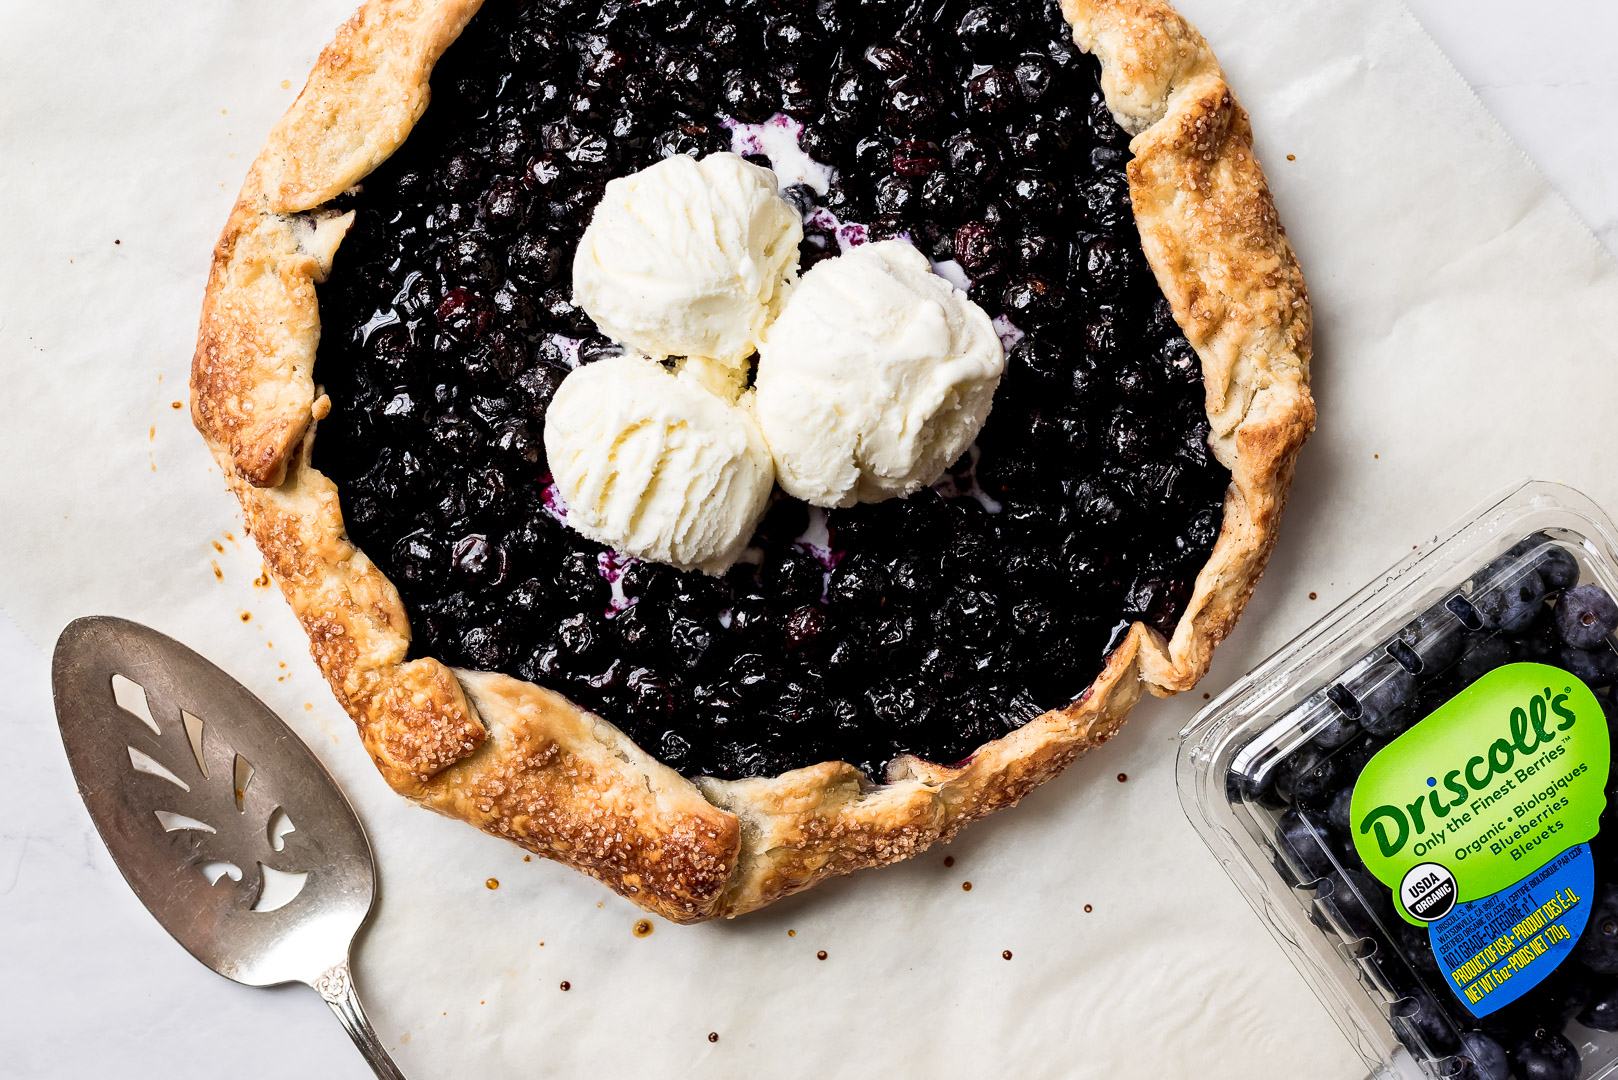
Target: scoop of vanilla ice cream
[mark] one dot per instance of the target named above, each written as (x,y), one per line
(655,465)
(875,378)
(689,258)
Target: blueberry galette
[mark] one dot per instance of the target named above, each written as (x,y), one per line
(720,444)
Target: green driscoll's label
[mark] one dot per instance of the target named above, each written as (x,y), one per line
(1478,819)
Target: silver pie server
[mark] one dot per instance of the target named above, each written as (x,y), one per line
(221,820)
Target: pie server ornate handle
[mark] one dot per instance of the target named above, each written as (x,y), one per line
(221,820)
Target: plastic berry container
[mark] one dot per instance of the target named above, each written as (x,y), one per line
(1412,794)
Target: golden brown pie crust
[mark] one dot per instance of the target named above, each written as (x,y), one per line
(523,762)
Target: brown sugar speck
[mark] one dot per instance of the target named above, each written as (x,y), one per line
(530,858)
(1377,456)
(217,546)
(117,241)
(792,933)
(966,886)
(218,573)
(949,860)
(566,985)
(308,706)
(245,616)
(151,436)
(1006,955)
(1205,697)
(1292,157)
(821,955)
(713,1036)
(1122,777)
(286,84)
(1088,909)
(643,928)
(176,404)
(492,883)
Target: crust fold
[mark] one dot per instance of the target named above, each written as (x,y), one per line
(524,763)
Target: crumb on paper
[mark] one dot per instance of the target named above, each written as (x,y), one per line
(949,860)
(643,928)
(713,1036)
(1005,955)
(217,546)
(1205,697)
(245,616)
(792,933)
(176,405)
(286,84)
(966,886)
(566,985)
(821,955)
(218,573)
(1313,596)
(151,436)
(492,883)
(530,858)
(1292,157)
(1123,777)
(1088,909)
(308,706)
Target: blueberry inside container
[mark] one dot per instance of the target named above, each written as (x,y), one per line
(1268,774)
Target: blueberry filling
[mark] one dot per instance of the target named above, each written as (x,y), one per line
(926,625)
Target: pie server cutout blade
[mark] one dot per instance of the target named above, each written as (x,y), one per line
(228,829)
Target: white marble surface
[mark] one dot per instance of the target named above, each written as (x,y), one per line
(91,986)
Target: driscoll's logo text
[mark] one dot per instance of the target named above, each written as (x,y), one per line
(1529,729)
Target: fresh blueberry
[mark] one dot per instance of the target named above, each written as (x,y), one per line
(1600,1013)
(1307,777)
(1510,605)
(1595,667)
(1351,902)
(1335,729)
(1337,813)
(1421,1024)
(1429,644)
(1544,1055)
(1482,655)
(1585,616)
(1481,1058)
(1556,565)
(1597,947)
(1301,842)
(1385,700)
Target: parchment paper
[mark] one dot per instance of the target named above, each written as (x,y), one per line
(1464,340)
